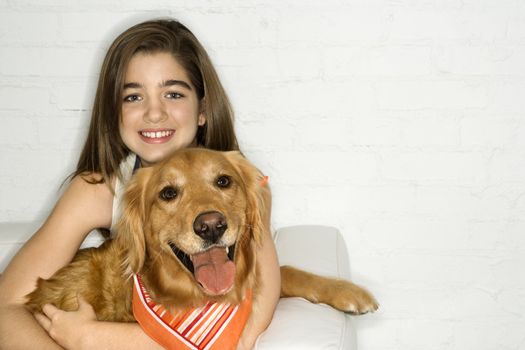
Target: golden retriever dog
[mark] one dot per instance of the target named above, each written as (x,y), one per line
(190,228)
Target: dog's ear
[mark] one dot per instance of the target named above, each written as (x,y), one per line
(258,195)
(130,234)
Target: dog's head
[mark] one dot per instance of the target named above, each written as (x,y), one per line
(191,224)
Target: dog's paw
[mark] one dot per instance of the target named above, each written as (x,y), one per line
(353,299)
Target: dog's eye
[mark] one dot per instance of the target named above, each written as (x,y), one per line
(168,193)
(223,181)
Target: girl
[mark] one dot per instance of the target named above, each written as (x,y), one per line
(158,92)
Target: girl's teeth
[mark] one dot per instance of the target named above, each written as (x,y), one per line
(156,135)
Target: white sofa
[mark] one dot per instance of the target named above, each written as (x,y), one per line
(297,324)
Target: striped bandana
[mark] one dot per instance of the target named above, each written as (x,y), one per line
(212,326)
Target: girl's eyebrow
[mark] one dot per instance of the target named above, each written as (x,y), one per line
(173,82)
(166,83)
(131,86)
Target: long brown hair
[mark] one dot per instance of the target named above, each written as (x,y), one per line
(104,149)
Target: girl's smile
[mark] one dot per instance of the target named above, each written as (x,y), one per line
(156,136)
(160,108)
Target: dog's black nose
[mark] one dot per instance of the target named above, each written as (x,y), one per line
(210,226)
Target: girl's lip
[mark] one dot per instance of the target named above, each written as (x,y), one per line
(156,135)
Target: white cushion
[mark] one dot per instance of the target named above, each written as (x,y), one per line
(297,323)
(317,249)
(300,325)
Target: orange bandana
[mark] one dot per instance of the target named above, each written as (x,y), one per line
(212,326)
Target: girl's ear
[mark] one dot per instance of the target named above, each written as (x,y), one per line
(202,119)
(258,195)
(130,234)
(202,112)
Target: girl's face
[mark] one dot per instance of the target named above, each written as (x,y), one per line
(160,108)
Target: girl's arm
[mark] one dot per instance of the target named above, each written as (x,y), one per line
(81,208)
(270,288)
(18,329)
(270,291)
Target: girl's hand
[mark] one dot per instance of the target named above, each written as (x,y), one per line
(247,341)
(70,329)
(241,346)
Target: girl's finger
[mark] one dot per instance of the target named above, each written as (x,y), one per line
(82,303)
(49,310)
(43,321)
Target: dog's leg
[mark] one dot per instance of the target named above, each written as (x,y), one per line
(340,294)
(97,275)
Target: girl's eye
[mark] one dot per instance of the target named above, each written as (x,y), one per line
(132,98)
(174,95)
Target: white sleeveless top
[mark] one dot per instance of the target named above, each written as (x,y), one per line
(126,170)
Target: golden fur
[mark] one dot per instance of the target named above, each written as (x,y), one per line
(161,204)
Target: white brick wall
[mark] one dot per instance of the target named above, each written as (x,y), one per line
(400,122)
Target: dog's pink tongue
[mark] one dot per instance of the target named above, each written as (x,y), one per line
(214,271)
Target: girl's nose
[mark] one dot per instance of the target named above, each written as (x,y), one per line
(155,112)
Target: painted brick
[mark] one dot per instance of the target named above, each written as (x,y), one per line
(503,131)
(27,99)
(432,95)
(382,131)
(504,334)
(261,135)
(383,61)
(503,167)
(452,167)
(74,95)
(480,60)
(299,63)
(103,27)
(54,62)
(333,27)
(258,28)
(36,29)
(62,133)
(243,66)
(18,130)
(325,167)
(447,24)
(505,97)
(316,132)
